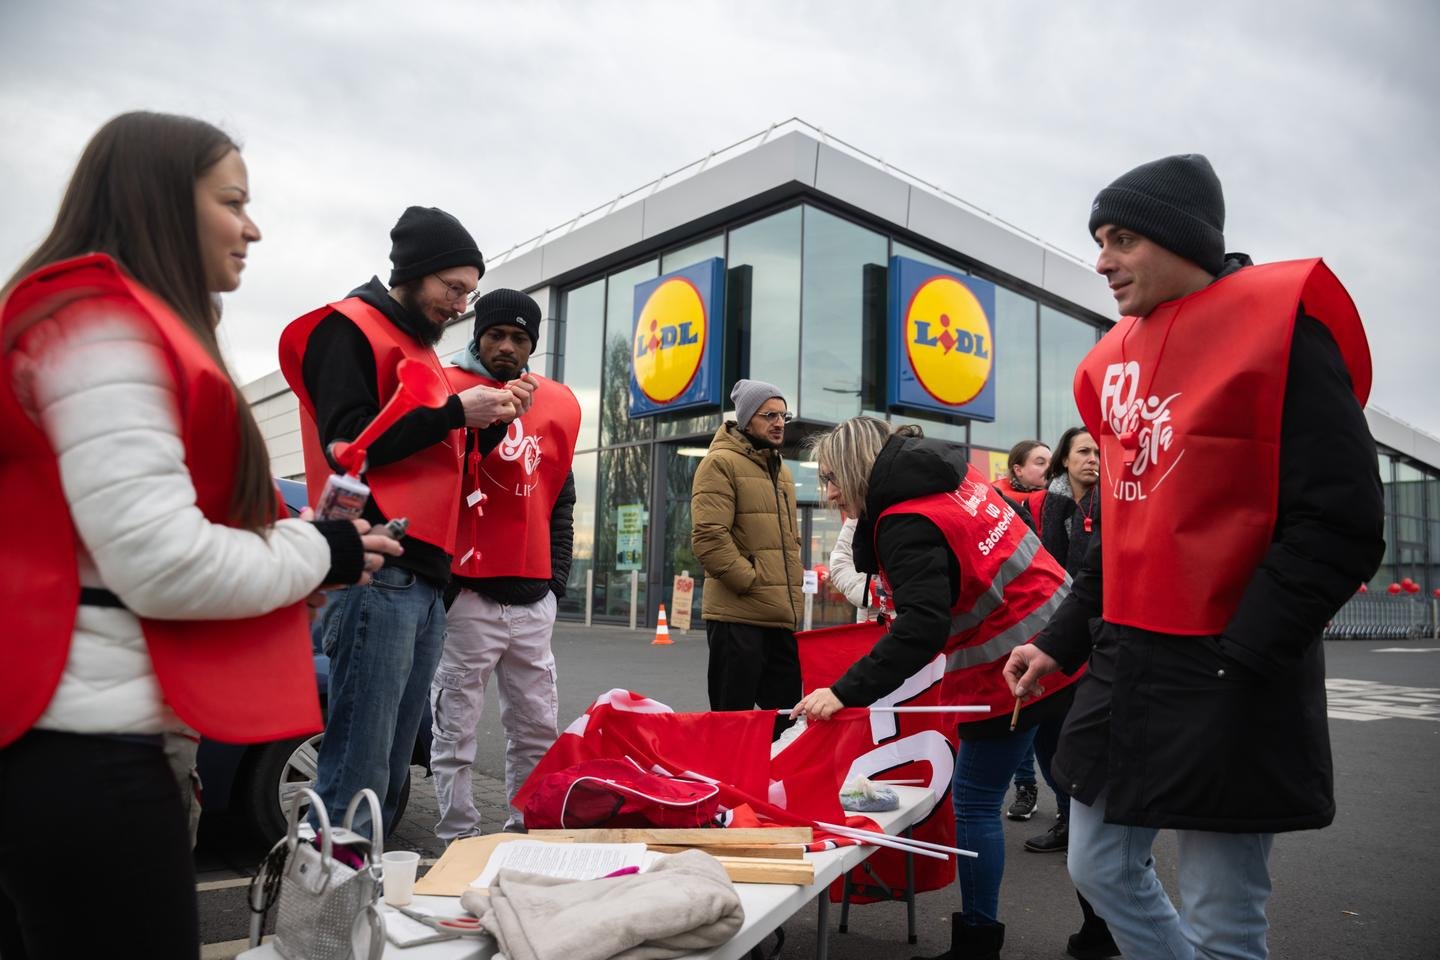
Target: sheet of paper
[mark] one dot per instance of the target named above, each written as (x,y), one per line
(571,861)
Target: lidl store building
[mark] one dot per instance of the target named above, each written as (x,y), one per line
(856,288)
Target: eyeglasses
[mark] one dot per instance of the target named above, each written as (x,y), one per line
(828,480)
(456,291)
(776,416)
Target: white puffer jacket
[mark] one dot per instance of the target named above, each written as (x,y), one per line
(97,382)
(843,575)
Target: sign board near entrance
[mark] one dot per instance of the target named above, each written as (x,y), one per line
(678,340)
(629,536)
(682,600)
(942,341)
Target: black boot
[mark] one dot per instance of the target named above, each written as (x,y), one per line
(972,942)
(1093,942)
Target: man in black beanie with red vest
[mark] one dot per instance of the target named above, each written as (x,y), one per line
(384,639)
(1242,506)
(512,560)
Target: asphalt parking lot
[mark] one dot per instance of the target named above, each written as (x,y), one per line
(1367,887)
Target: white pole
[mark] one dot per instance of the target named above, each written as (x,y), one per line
(809,610)
(634,597)
(589,594)
(919,846)
(971,709)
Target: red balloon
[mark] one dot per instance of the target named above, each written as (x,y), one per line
(1437,593)
(1365,589)
(1412,587)
(1406,583)
(1394,588)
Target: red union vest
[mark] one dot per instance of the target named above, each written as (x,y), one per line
(242,681)
(1009,589)
(509,535)
(425,486)
(1196,391)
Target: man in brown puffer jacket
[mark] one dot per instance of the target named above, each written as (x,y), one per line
(746,537)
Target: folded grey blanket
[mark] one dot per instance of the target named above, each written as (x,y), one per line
(683,903)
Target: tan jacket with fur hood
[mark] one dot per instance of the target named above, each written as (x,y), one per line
(745,534)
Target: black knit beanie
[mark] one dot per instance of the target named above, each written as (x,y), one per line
(1174,201)
(508,306)
(427,239)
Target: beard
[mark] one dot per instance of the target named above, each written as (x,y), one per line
(426,330)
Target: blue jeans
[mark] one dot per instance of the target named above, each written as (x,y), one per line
(383,641)
(1224,885)
(982,775)
(1025,769)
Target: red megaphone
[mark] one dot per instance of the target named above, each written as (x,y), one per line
(420,386)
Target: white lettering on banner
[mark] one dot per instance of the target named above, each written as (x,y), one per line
(1146,419)
(929,746)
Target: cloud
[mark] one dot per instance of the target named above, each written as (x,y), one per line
(517,116)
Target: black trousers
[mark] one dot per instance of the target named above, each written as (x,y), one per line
(752,667)
(94,851)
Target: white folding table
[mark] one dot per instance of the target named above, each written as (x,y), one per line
(767,905)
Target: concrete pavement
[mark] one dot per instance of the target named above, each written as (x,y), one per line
(1366,887)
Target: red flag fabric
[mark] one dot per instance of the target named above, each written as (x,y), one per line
(730,749)
(902,747)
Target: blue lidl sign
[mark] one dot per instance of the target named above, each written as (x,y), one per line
(941,341)
(677,343)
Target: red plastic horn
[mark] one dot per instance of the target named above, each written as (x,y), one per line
(420,386)
(1394,588)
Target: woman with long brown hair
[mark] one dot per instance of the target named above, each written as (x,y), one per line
(150,582)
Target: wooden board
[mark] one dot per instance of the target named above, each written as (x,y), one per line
(700,837)
(774,851)
(742,870)
(462,862)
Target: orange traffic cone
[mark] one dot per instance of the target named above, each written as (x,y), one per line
(662,630)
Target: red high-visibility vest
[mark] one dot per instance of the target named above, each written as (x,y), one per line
(425,486)
(242,681)
(508,535)
(1192,396)
(1009,589)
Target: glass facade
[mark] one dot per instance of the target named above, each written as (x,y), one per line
(805,310)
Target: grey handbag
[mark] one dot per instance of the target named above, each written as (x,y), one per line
(323,900)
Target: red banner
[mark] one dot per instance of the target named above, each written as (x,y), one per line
(903,747)
(730,749)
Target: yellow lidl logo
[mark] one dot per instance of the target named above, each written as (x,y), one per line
(948,340)
(670,338)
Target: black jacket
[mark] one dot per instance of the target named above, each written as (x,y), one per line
(923,573)
(1229,732)
(339,374)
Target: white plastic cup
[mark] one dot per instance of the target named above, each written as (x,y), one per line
(399,871)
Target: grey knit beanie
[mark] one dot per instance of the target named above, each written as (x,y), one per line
(1174,201)
(749,396)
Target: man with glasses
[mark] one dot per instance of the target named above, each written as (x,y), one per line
(384,639)
(746,538)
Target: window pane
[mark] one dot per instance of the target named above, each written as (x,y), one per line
(624,502)
(1409,490)
(584,552)
(615,423)
(584,328)
(1064,341)
(902,250)
(768,253)
(833,323)
(1015,373)
(933,426)
(693,254)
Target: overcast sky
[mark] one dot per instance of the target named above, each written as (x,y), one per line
(1319,117)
